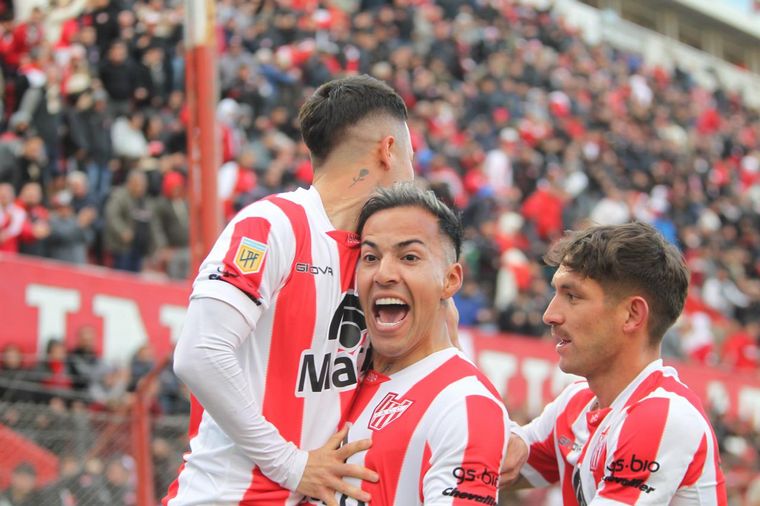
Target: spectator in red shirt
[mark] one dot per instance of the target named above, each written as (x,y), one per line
(36,226)
(741,349)
(24,37)
(53,372)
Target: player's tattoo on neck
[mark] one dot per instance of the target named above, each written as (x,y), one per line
(362,174)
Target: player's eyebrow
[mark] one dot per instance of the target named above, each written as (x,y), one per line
(404,244)
(399,245)
(564,285)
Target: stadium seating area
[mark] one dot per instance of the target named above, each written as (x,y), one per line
(514,118)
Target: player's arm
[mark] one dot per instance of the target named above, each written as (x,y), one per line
(222,315)
(205,360)
(536,466)
(467,445)
(516,457)
(664,444)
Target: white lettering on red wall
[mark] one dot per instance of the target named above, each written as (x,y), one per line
(43,300)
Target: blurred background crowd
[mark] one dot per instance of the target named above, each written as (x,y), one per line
(514,118)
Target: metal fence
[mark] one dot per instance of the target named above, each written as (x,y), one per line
(62,450)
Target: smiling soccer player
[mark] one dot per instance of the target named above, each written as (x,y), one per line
(438,428)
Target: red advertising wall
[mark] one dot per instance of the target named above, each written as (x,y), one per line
(524,371)
(41,300)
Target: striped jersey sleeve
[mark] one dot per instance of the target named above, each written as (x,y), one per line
(254,254)
(552,437)
(466,446)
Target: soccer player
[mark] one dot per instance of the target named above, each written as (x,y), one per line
(630,432)
(438,428)
(273,341)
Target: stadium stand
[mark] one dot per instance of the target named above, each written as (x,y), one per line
(515,118)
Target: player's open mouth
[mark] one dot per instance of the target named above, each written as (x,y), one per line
(561,339)
(389,312)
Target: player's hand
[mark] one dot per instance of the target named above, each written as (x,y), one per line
(326,467)
(517,455)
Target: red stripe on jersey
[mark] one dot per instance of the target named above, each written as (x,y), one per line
(427,454)
(256,229)
(679,388)
(386,463)
(196,415)
(290,337)
(348,248)
(486,448)
(637,455)
(697,465)
(543,457)
(263,492)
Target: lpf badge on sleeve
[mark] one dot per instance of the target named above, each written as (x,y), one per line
(250,255)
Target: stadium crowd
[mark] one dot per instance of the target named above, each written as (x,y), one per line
(514,118)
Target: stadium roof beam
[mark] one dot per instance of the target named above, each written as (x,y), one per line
(710,26)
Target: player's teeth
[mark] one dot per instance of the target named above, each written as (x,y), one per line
(389,300)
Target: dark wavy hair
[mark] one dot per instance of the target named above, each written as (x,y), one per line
(629,259)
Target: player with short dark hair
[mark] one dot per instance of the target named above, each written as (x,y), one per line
(630,432)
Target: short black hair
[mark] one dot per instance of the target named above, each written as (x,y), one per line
(408,195)
(341,103)
(625,259)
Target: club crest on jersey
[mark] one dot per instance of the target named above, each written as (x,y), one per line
(250,255)
(600,450)
(389,409)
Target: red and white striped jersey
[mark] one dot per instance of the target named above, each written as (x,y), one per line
(438,431)
(293,275)
(653,445)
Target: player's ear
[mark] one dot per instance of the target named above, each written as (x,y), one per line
(637,314)
(384,151)
(453,280)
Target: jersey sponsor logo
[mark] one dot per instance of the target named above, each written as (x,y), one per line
(566,442)
(319,371)
(469,496)
(348,325)
(634,465)
(344,501)
(250,255)
(631,483)
(485,475)
(313,269)
(388,410)
(338,372)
